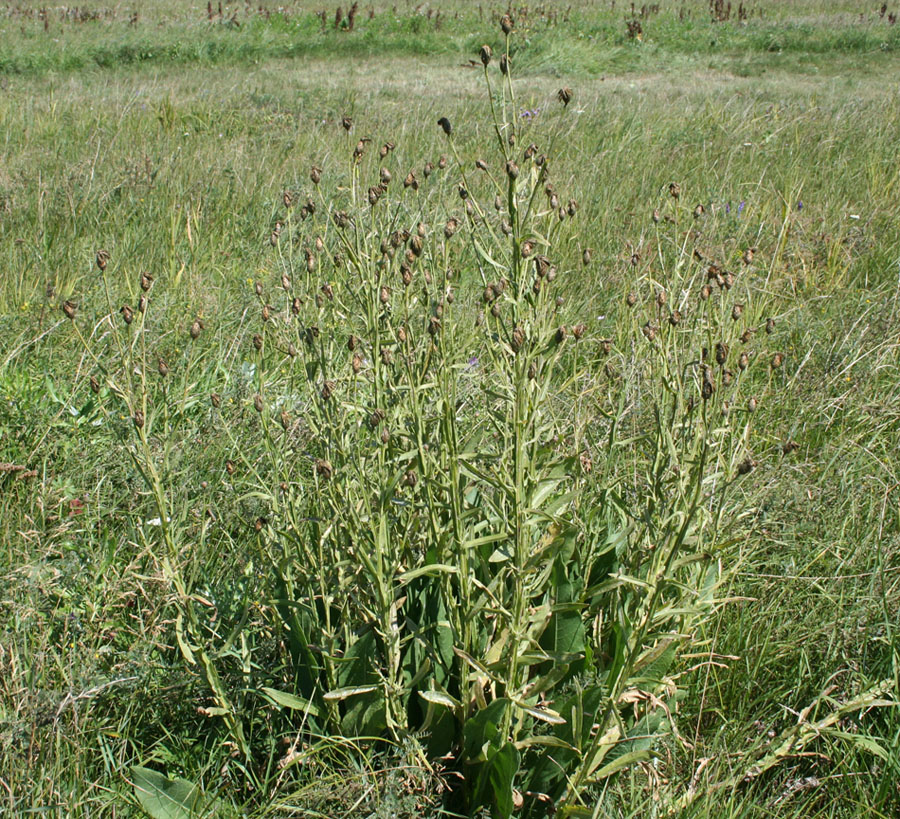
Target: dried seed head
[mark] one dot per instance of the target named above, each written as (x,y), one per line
(512,170)
(442,161)
(451,227)
(416,245)
(747,335)
(721,353)
(341,219)
(352,342)
(743,362)
(410,478)
(586,256)
(562,333)
(142,303)
(770,326)
(385,436)
(295,305)
(292,350)
(411,181)
(518,339)
(606,346)
(564,95)
(649,330)
(258,288)
(229,467)
(777,360)
(328,389)
(674,190)
(434,325)
(401,335)
(356,363)
(495,309)
(346,123)
(675,318)
(405,275)
(385,176)
(655,216)
(506,24)
(727,377)
(69,308)
(319,244)
(95,384)
(161,367)
(746,466)
(258,402)
(751,404)
(138,419)
(127,313)
(661,298)
(481,165)
(257,341)
(541,265)
(631,299)
(506,228)
(578,331)
(146,281)
(789,446)
(288,199)
(102,259)
(427,169)
(504,69)
(285,420)
(327,291)
(384,294)
(528,247)
(215,399)
(530,151)
(536,287)
(285,282)
(554,201)
(324,468)
(196,329)
(386,356)
(635,259)
(311,334)
(572,208)
(266,312)
(446,127)
(708,387)
(705,292)
(699,211)
(374,194)
(464,194)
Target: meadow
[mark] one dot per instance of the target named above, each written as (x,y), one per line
(450,410)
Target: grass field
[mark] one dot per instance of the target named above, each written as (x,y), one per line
(394,500)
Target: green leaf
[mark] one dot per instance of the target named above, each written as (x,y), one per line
(164,798)
(339,694)
(290,701)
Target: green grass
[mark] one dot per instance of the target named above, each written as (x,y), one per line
(170,142)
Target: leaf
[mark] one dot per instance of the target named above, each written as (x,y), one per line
(429,570)
(543,714)
(481,728)
(623,761)
(502,771)
(164,798)
(291,701)
(441,698)
(339,694)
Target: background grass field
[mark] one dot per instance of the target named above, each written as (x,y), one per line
(168,137)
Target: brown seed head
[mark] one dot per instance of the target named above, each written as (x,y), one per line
(356,363)
(770,326)
(258,402)
(69,308)
(102,259)
(721,353)
(324,469)
(675,318)
(655,216)
(517,340)
(127,313)
(446,127)
(346,123)
(674,190)
(285,420)
(229,467)
(95,384)
(257,341)
(751,404)
(161,367)
(142,303)
(504,65)
(586,256)
(451,227)
(699,211)
(385,436)
(743,361)
(215,399)
(705,292)
(578,331)
(196,329)
(777,360)
(631,299)
(564,95)
(296,303)
(486,53)
(746,466)
(506,24)
(328,389)
(138,419)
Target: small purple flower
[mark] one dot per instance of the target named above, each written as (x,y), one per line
(799,205)
(741,207)
(473,363)
(728,207)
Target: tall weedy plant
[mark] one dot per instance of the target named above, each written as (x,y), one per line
(482,532)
